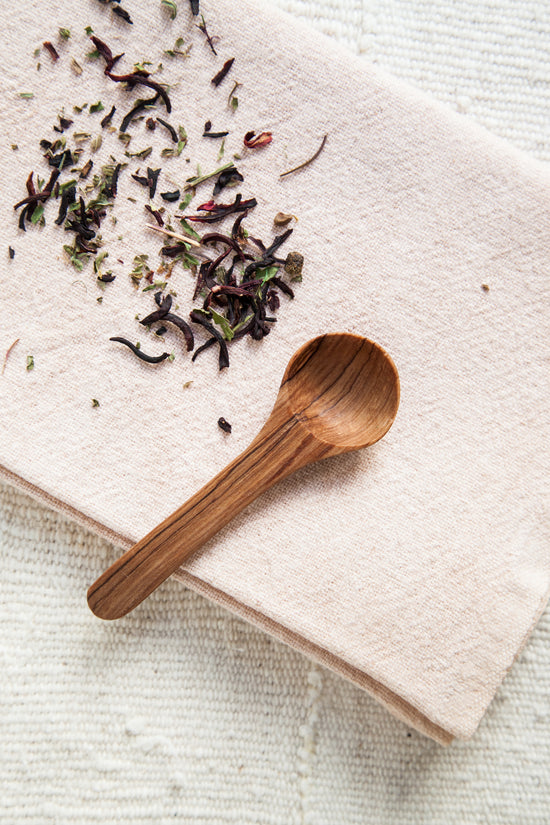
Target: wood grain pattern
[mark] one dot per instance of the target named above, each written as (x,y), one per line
(340,392)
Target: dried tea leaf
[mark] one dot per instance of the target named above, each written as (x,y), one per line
(282,219)
(96,143)
(171,6)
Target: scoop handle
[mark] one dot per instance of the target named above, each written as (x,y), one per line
(282,446)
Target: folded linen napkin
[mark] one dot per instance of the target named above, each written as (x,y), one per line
(416,568)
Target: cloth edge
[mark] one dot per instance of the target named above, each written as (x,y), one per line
(397,706)
(362,61)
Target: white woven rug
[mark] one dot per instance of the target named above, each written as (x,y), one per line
(186,714)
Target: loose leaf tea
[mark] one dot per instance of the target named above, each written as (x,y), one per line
(108,117)
(138,77)
(8,352)
(293,265)
(171,130)
(139,106)
(120,12)
(281,219)
(150,359)
(51,49)
(171,6)
(194,181)
(171,197)
(227,177)
(232,101)
(254,141)
(87,168)
(224,425)
(307,162)
(215,134)
(219,211)
(156,214)
(201,317)
(64,123)
(209,39)
(217,79)
(239,282)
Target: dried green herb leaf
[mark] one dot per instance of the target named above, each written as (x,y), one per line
(99,260)
(267,273)
(155,285)
(186,201)
(96,143)
(171,6)
(242,323)
(143,153)
(78,259)
(96,107)
(64,33)
(66,185)
(95,402)
(189,229)
(37,213)
(223,323)
(194,181)
(30,362)
(26,95)
(89,30)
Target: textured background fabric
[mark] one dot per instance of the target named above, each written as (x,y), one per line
(348,759)
(198,717)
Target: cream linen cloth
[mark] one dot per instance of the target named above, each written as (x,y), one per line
(417,568)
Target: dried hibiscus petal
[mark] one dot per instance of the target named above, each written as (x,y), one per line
(254,141)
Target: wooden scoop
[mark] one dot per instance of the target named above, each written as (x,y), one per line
(340,392)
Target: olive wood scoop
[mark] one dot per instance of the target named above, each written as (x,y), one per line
(340,392)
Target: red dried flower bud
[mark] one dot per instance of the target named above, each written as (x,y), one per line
(254,141)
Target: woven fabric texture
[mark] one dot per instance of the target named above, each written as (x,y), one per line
(198,717)
(490,60)
(216,722)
